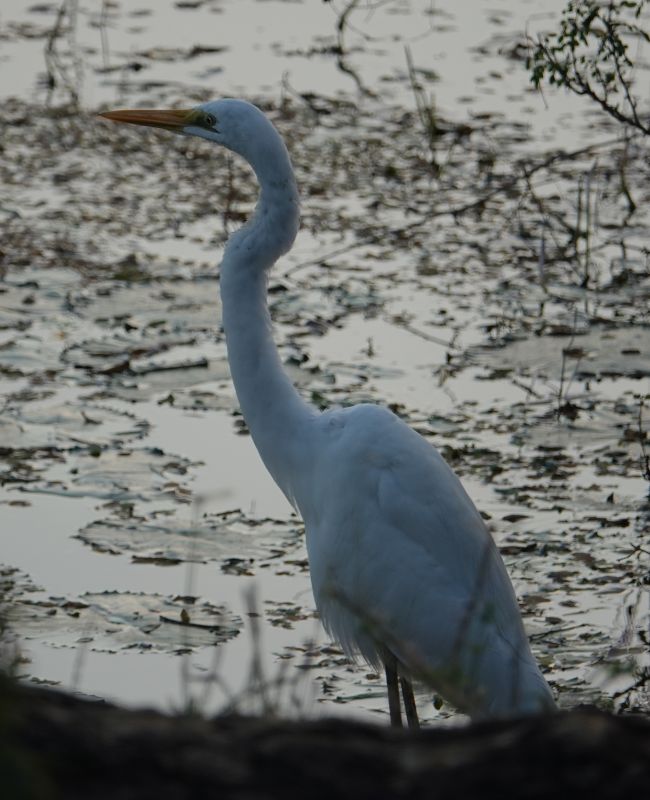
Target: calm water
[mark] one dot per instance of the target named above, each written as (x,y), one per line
(151,53)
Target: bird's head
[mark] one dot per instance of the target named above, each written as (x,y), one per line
(243,128)
(234,124)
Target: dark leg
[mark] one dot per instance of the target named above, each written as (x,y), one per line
(409,704)
(390,665)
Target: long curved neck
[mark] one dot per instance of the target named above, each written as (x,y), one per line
(274,411)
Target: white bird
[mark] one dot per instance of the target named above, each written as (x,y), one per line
(403,568)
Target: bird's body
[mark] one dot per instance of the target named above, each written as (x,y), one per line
(403,568)
(403,561)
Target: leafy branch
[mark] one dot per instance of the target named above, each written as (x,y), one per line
(589,55)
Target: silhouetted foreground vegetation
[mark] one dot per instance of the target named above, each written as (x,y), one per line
(55,745)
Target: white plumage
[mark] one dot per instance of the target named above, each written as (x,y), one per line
(403,568)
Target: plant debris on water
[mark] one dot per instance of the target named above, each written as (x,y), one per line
(456,279)
(125,621)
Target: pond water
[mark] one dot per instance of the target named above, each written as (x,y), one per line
(132,496)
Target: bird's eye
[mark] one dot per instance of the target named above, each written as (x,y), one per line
(209,121)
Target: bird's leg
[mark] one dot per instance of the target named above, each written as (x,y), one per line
(390,664)
(409,704)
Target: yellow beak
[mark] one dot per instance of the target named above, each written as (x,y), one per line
(173,119)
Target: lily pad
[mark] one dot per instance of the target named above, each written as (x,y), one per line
(30,354)
(233,538)
(41,425)
(134,368)
(111,621)
(601,351)
(158,306)
(143,474)
(34,294)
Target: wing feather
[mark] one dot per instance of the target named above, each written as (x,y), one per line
(401,558)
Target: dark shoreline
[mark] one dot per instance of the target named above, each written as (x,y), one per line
(55,745)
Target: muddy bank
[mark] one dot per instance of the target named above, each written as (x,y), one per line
(62,746)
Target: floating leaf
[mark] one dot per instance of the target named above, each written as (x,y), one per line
(126,474)
(233,538)
(125,621)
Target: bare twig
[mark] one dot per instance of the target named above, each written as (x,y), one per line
(645,457)
(103,26)
(426,111)
(341,52)
(57,71)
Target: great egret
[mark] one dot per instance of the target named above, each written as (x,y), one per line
(402,566)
